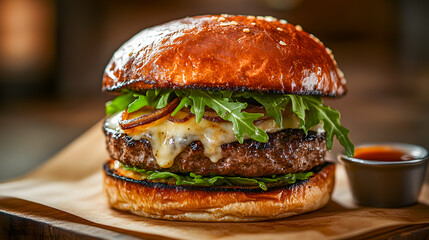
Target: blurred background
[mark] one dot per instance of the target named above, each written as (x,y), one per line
(53,54)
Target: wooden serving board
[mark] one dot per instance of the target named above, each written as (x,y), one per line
(25,220)
(22,219)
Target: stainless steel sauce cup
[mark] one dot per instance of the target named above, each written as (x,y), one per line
(387,184)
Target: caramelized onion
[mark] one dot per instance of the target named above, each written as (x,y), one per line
(255,109)
(213,117)
(148,118)
(179,119)
(261,119)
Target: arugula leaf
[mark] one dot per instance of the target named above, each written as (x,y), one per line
(153,97)
(140,102)
(163,99)
(158,175)
(227,94)
(299,107)
(231,111)
(273,106)
(184,102)
(200,180)
(331,124)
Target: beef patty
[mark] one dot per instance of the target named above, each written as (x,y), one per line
(287,151)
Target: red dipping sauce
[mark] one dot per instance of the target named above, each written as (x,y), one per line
(381,153)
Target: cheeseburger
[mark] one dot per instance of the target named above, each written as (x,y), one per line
(220,118)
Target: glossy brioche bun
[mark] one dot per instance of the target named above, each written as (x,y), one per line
(217,204)
(226,53)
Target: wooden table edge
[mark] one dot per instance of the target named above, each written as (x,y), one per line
(24,219)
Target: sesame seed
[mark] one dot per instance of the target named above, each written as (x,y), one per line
(130,54)
(260,18)
(298,27)
(283,21)
(329,51)
(315,38)
(282,43)
(251,17)
(221,19)
(234,23)
(341,74)
(253,24)
(269,18)
(246,30)
(224,24)
(280,29)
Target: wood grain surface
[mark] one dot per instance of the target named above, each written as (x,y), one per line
(20,219)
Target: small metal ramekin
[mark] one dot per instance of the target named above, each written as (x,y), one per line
(387,184)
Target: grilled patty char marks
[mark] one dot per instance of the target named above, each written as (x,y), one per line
(287,151)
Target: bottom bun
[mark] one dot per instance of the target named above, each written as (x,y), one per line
(217,204)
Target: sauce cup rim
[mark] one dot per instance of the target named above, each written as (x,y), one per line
(421,156)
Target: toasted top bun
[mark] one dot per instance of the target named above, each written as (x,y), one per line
(226,52)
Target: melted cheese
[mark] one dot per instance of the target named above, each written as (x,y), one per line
(168,139)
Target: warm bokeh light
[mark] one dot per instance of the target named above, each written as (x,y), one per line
(26,34)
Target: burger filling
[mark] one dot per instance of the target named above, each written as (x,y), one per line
(286,151)
(173,120)
(168,138)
